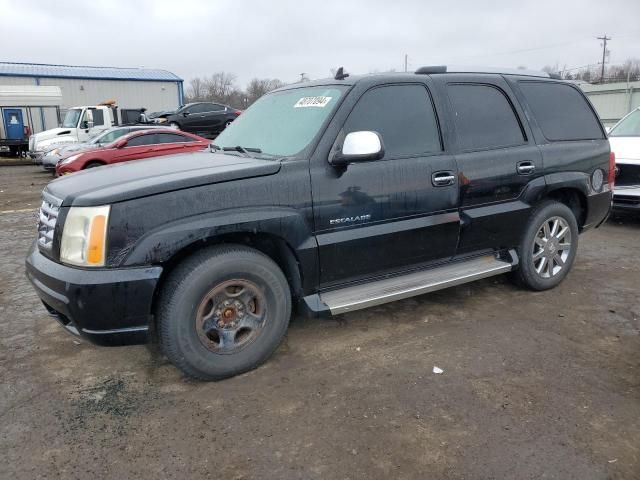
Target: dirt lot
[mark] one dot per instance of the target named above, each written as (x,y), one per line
(535,385)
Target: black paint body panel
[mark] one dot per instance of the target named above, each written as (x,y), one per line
(339,225)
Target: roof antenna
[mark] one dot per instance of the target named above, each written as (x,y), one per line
(341,74)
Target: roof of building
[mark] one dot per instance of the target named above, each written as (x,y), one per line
(13,69)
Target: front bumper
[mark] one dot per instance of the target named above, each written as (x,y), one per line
(36,156)
(105,306)
(626,199)
(49,162)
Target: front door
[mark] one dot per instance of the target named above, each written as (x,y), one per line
(91,124)
(13,123)
(391,213)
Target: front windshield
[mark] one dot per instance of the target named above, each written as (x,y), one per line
(629,127)
(282,123)
(71,118)
(109,136)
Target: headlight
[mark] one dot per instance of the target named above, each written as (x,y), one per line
(84,236)
(70,159)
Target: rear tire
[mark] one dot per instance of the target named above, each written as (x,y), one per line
(548,247)
(223,311)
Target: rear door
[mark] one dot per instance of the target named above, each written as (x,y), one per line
(215,118)
(497,159)
(389,214)
(171,143)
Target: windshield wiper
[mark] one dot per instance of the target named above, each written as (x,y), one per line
(238,148)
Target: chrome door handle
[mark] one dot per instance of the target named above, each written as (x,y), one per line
(525,168)
(442,179)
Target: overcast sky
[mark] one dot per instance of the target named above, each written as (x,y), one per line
(281,39)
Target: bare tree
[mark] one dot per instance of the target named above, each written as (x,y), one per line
(220,87)
(259,86)
(195,91)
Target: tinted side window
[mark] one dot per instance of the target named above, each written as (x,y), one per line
(402,114)
(142,140)
(172,138)
(484,117)
(98,117)
(214,107)
(561,111)
(200,108)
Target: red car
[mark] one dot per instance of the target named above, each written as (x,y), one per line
(134,146)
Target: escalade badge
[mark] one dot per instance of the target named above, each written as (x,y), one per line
(357,218)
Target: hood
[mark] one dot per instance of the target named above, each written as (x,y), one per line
(625,148)
(49,137)
(140,178)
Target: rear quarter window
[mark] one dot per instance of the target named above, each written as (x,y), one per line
(561,111)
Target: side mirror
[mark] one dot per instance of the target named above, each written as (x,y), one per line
(185,114)
(359,147)
(84,124)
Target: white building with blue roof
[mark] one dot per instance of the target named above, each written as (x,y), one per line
(156,90)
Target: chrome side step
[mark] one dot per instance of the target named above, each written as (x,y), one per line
(416,283)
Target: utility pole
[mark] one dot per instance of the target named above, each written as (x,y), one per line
(406,58)
(604,54)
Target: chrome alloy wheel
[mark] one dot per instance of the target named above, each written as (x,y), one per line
(551,247)
(231,316)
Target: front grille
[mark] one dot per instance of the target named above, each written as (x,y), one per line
(47,220)
(626,199)
(627,174)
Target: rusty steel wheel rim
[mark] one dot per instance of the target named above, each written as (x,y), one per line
(231,316)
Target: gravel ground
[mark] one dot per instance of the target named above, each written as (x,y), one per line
(535,385)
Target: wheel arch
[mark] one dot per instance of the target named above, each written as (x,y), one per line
(95,161)
(273,246)
(572,197)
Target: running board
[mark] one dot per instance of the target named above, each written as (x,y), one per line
(416,283)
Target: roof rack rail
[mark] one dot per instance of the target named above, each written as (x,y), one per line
(434,69)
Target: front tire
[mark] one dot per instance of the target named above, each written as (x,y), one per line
(548,247)
(93,165)
(223,311)
(174,125)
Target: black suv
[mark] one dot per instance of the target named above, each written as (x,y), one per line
(366,190)
(203,118)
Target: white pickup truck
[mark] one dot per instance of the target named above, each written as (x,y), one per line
(79,125)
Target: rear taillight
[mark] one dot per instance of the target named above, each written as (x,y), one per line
(612,170)
(237,112)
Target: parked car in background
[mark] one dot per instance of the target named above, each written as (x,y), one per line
(161,116)
(202,118)
(625,143)
(134,146)
(80,124)
(57,154)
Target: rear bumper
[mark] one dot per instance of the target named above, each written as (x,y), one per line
(626,199)
(106,306)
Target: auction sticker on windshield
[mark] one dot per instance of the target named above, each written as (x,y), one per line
(312,102)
